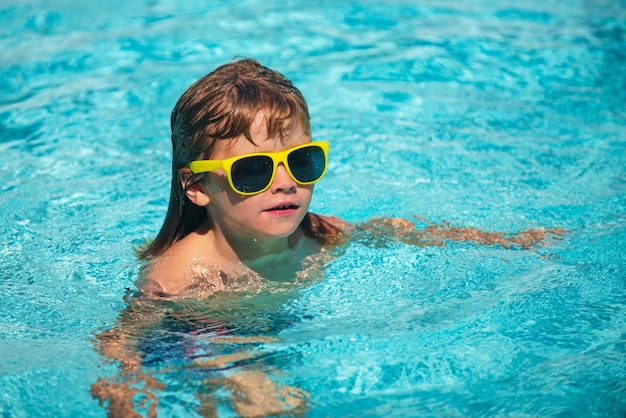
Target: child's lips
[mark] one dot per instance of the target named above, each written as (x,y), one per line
(287,207)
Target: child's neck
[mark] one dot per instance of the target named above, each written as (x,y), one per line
(284,265)
(272,258)
(249,248)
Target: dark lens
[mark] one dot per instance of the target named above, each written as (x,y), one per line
(252,174)
(307,164)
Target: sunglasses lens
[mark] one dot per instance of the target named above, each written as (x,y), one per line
(307,164)
(252,174)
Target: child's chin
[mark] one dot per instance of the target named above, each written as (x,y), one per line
(281,231)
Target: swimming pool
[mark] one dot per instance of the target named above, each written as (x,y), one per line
(503,116)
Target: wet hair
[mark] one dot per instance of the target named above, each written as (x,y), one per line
(220,106)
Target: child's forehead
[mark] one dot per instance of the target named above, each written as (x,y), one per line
(241,145)
(261,142)
(293,134)
(259,128)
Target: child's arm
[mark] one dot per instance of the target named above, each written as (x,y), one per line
(254,393)
(439,234)
(119,344)
(332,230)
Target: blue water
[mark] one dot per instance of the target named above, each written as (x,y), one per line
(501,115)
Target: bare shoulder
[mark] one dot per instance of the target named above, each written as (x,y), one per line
(330,222)
(163,275)
(187,269)
(169,273)
(326,229)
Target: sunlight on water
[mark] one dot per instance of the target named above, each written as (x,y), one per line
(501,116)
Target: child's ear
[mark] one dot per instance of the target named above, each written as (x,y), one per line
(195,193)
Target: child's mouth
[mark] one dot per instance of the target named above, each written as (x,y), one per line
(283,208)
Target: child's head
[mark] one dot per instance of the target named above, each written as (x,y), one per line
(221,106)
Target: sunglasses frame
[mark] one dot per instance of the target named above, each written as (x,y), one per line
(204,166)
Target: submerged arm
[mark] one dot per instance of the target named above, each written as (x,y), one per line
(119,344)
(378,232)
(439,234)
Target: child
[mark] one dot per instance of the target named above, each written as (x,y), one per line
(243,173)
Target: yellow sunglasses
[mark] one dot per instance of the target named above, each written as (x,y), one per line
(251,174)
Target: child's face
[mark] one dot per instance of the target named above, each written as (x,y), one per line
(274,213)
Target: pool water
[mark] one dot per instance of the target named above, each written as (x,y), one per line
(503,116)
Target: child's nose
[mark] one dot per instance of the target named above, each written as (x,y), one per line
(283,181)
